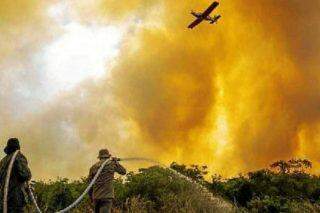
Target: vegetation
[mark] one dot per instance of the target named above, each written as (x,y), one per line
(285,187)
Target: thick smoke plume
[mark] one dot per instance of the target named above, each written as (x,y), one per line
(235,96)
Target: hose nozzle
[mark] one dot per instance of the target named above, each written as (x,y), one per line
(115,159)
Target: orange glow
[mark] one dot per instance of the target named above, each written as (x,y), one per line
(235,96)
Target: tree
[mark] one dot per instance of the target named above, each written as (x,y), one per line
(299,165)
(292,166)
(282,166)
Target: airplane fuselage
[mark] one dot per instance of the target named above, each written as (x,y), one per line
(207,18)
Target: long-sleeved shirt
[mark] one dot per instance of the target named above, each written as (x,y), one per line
(103,187)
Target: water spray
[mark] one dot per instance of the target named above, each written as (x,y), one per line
(204,190)
(199,186)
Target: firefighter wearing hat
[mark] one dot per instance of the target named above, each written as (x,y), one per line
(20,175)
(102,192)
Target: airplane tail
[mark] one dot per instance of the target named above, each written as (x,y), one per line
(215,20)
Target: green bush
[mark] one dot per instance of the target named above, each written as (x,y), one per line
(286,187)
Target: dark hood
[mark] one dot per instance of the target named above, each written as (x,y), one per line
(12,146)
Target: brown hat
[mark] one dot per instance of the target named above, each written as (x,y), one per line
(104,153)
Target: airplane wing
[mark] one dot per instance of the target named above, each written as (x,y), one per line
(210,9)
(195,23)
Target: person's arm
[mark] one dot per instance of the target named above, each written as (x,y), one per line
(22,169)
(119,168)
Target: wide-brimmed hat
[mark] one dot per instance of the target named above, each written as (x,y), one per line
(12,146)
(104,153)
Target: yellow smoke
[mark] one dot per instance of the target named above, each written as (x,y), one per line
(235,96)
(237,92)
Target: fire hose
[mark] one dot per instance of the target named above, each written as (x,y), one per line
(6,185)
(75,203)
(79,199)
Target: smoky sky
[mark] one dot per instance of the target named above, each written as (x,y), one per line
(238,94)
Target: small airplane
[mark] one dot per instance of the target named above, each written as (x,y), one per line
(205,16)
